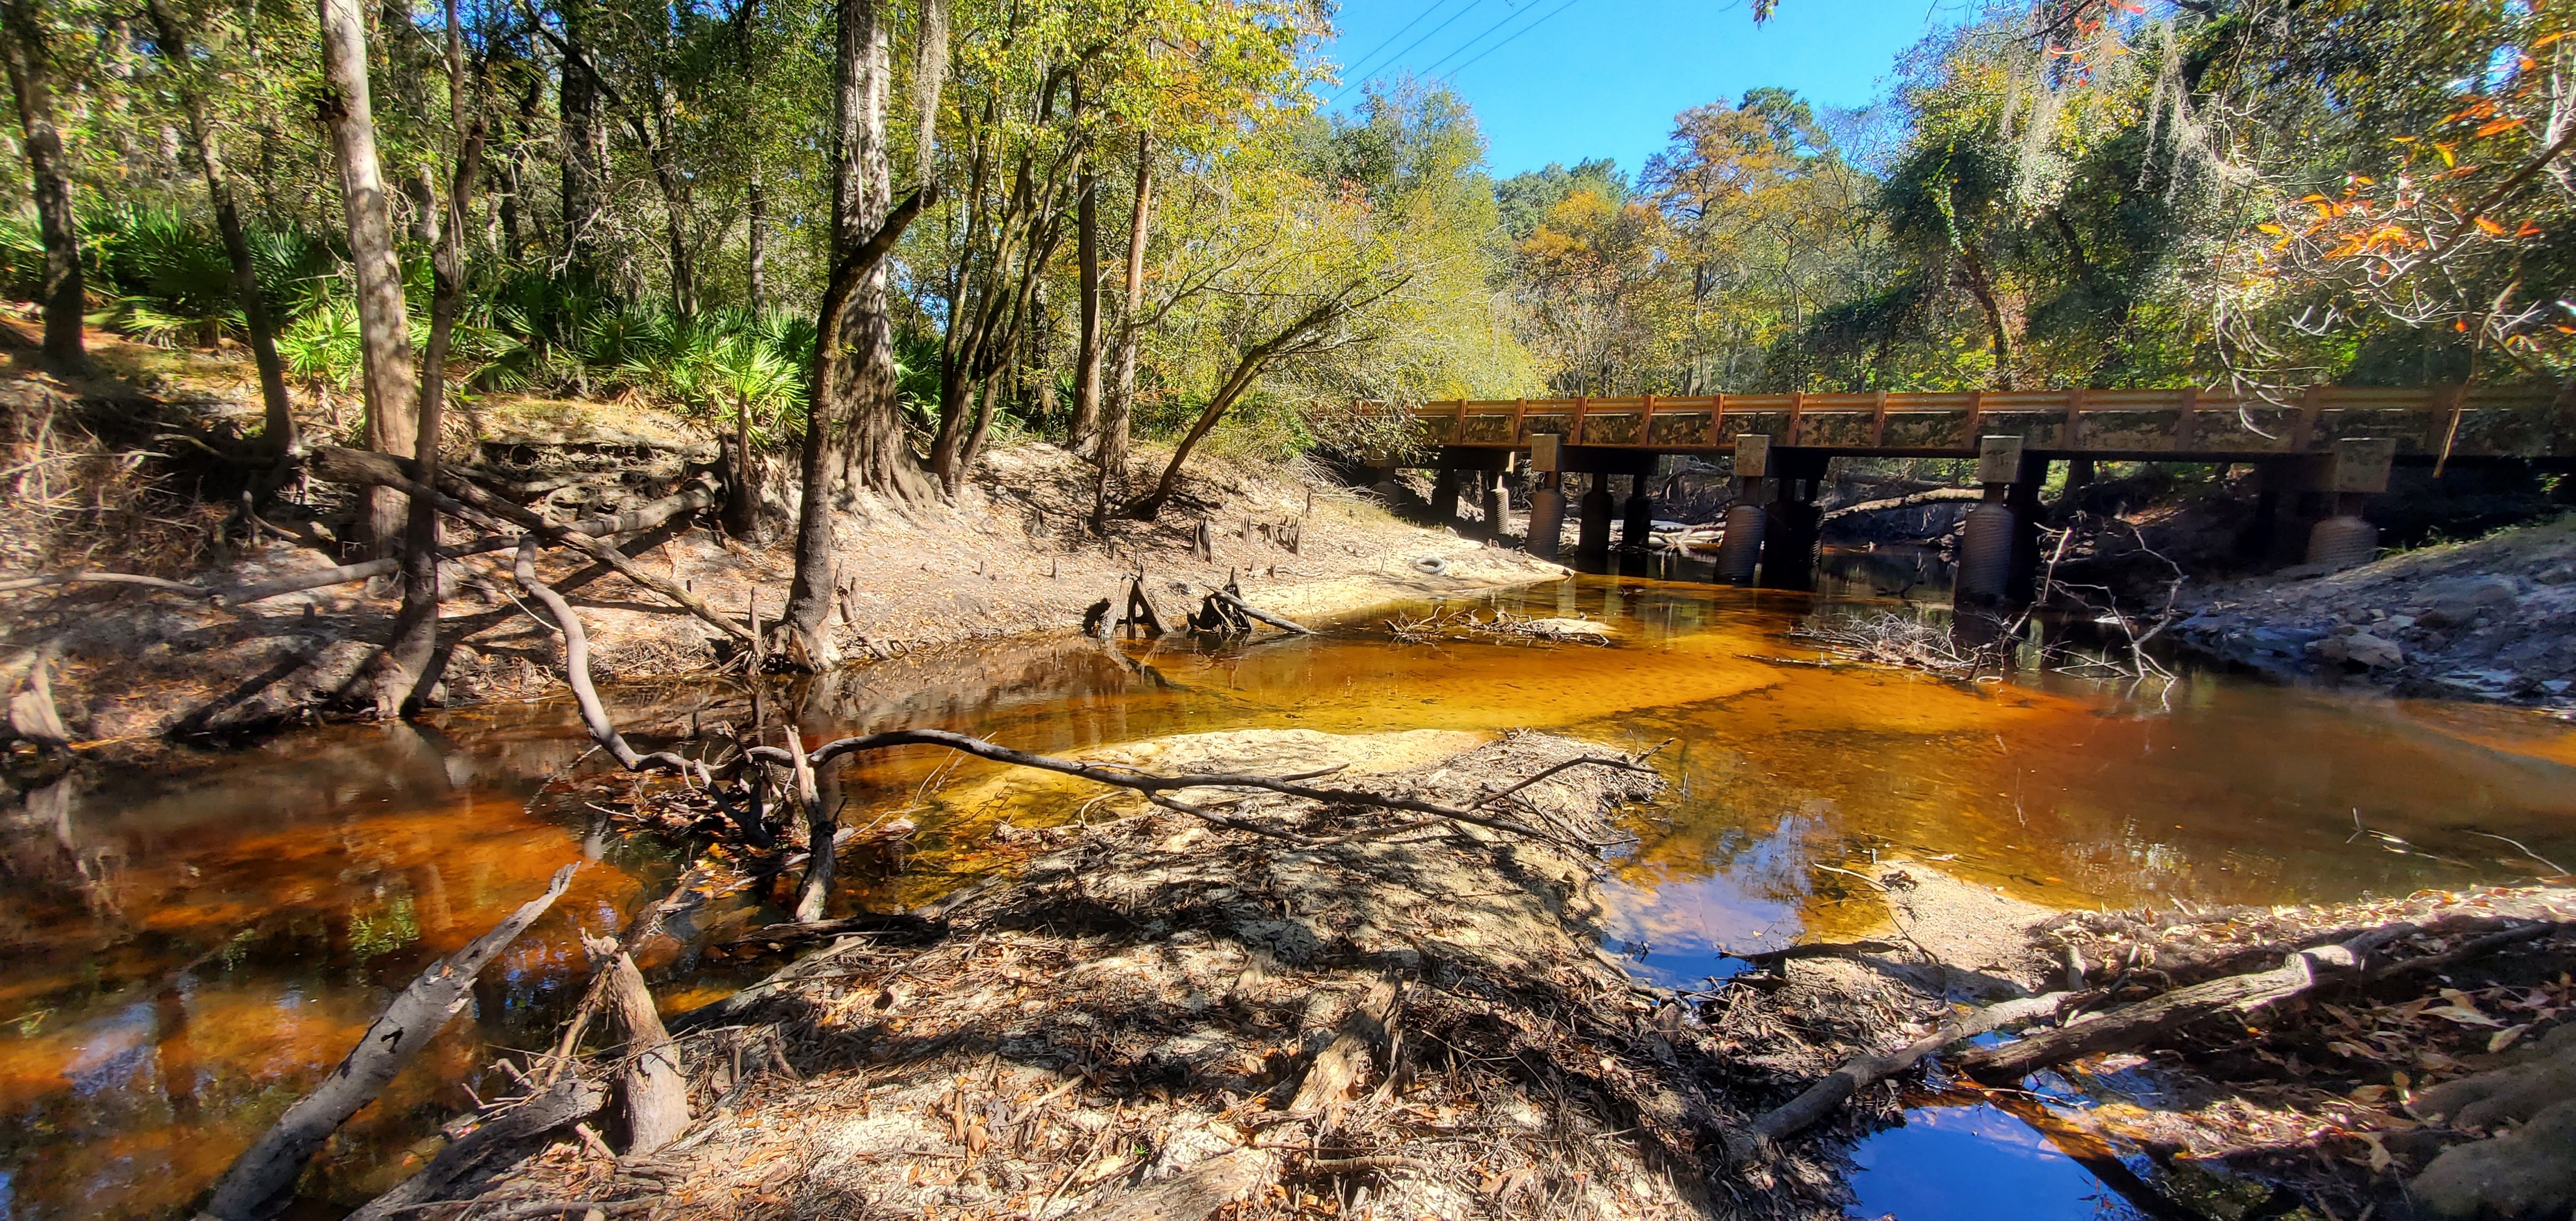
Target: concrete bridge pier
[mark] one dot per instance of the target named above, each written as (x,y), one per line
(1987,538)
(1637,523)
(1592,535)
(1444,496)
(1547,500)
(1794,524)
(1495,500)
(1740,548)
(2030,475)
(2355,472)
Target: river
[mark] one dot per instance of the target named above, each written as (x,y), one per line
(191,946)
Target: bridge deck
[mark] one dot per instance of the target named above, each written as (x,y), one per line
(2182,424)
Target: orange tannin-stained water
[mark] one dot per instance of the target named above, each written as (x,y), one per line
(186,952)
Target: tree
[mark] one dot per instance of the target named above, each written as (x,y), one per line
(384,330)
(278,432)
(25,42)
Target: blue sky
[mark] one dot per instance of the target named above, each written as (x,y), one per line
(1594,78)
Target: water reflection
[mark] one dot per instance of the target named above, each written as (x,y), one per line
(190,950)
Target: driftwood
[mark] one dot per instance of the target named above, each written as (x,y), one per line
(650,1089)
(262,1180)
(568,1099)
(814,895)
(2132,1025)
(1817,949)
(900,925)
(1343,1061)
(1248,610)
(1192,1194)
(1862,1072)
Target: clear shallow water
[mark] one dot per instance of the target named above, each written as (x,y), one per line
(189,949)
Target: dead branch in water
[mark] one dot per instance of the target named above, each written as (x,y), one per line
(1862,1072)
(2145,1021)
(262,1179)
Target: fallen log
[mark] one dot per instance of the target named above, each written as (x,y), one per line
(568,1099)
(650,1089)
(41,580)
(261,1181)
(2132,1025)
(1282,622)
(1862,1072)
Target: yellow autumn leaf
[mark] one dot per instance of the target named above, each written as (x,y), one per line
(2268,228)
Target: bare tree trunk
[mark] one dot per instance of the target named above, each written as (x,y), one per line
(756,237)
(277,434)
(876,454)
(582,148)
(384,328)
(22,36)
(742,498)
(403,676)
(1117,420)
(1086,344)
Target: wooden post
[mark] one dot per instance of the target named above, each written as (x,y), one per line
(2312,406)
(1717,422)
(1574,431)
(1976,414)
(2187,424)
(1797,415)
(1520,412)
(1878,421)
(1646,423)
(2073,433)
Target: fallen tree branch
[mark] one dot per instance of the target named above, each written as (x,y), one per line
(1153,785)
(2131,1025)
(41,580)
(649,1086)
(568,1099)
(262,1180)
(1862,1072)
(594,716)
(1282,622)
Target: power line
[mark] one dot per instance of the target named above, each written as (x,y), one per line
(1453,72)
(1408,47)
(1389,40)
(1508,18)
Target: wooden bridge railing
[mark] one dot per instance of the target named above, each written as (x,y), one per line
(2439,420)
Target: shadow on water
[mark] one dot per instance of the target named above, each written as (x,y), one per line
(191,948)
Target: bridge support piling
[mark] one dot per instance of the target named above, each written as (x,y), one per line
(1795,523)
(2029,476)
(1495,500)
(2357,471)
(1986,539)
(1638,524)
(1592,534)
(1739,549)
(1547,499)
(1444,497)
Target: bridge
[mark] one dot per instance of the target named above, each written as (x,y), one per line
(2320,456)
